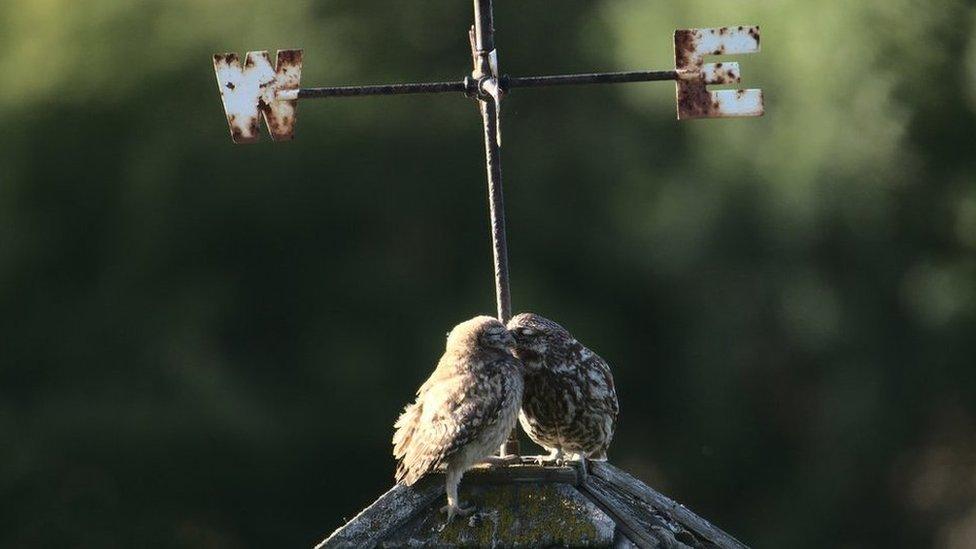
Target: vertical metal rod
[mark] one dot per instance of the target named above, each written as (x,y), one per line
(496,205)
(484,29)
(482,44)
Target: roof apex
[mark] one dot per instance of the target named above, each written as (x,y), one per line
(529,505)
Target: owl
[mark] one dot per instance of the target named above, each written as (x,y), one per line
(465,409)
(570,405)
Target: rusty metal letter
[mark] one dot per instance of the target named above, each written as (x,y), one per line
(694,100)
(255,89)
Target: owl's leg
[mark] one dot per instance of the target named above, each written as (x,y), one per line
(583,466)
(502,461)
(454,506)
(579,458)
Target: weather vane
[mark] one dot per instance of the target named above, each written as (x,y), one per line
(258,88)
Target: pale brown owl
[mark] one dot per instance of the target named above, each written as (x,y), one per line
(464,411)
(570,404)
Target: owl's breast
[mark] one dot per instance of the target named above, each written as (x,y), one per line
(550,400)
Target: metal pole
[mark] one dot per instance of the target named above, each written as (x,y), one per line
(482,45)
(496,206)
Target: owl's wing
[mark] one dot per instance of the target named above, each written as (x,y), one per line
(452,412)
(412,418)
(611,397)
(598,378)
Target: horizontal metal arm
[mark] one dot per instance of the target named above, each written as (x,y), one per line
(465,86)
(382,89)
(509,82)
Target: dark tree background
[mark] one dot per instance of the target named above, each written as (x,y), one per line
(205,345)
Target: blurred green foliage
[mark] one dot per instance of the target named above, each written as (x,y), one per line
(205,345)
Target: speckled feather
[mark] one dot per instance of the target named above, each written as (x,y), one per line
(464,411)
(570,403)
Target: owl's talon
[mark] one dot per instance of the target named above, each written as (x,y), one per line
(546,461)
(457,510)
(555,458)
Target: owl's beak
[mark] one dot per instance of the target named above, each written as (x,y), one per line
(509,340)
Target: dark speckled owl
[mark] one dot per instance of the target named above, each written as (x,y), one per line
(569,405)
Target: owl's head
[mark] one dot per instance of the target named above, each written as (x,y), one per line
(534,336)
(480,333)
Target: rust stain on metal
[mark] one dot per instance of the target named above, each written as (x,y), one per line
(721,73)
(693,97)
(252,91)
